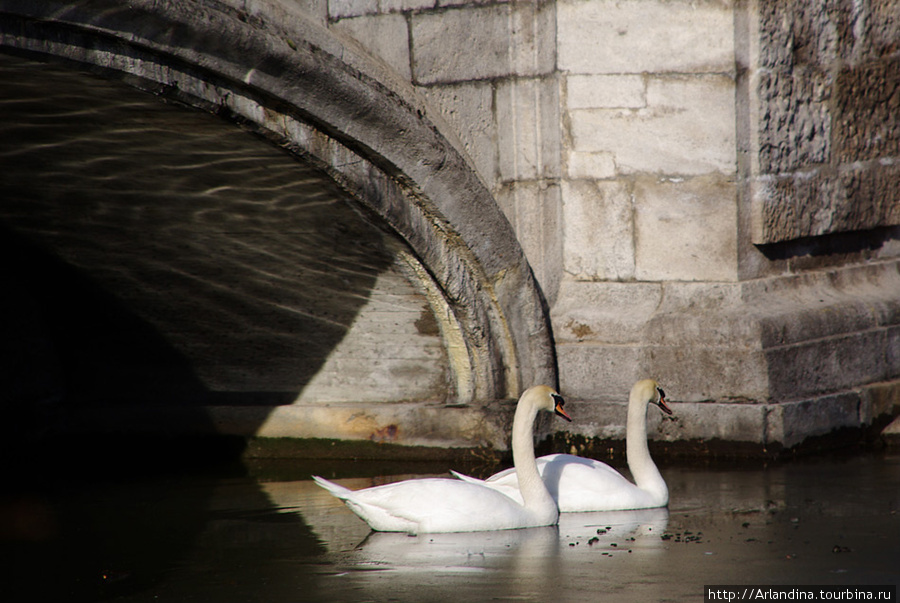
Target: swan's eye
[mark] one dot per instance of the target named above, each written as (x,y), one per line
(558,399)
(662,394)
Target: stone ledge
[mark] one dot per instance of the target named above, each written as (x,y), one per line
(696,428)
(752,429)
(412,424)
(765,341)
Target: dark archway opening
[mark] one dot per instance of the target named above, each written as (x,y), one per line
(153,256)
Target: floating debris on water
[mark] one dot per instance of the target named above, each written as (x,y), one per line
(841,549)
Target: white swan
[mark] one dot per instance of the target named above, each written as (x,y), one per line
(580,484)
(450,505)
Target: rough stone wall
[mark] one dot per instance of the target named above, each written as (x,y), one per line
(829,118)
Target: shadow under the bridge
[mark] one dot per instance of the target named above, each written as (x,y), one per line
(153,256)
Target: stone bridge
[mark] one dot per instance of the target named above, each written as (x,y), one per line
(380,220)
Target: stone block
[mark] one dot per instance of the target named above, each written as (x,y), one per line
(790,423)
(686,229)
(316,10)
(593,372)
(528,129)
(795,122)
(596,419)
(798,320)
(475,42)
(394,6)
(604,312)
(592,166)
(878,401)
(701,373)
(824,201)
(461,45)
(709,421)
(340,9)
(686,128)
(385,36)
(410,424)
(599,230)
(605,36)
(827,365)
(469,109)
(697,323)
(605,92)
(891,433)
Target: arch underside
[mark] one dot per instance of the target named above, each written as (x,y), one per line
(298,87)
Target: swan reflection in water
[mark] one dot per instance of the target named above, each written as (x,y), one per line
(521,550)
(528,564)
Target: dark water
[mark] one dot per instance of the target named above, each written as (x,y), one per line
(264,532)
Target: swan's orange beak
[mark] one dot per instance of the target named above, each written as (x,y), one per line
(662,402)
(558,409)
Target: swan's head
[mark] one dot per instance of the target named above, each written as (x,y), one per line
(546,398)
(648,391)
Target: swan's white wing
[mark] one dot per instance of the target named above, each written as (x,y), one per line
(366,506)
(508,487)
(577,484)
(434,505)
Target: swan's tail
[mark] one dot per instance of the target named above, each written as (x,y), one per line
(336,490)
(466,478)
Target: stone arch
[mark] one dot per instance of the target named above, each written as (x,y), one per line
(293,81)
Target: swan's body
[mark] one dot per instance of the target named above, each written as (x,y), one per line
(449,505)
(580,484)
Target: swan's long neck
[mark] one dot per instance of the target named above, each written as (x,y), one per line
(534,493)
(643,469)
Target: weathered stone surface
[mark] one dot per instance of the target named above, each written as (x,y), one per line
(584,166)
(769,340)
(605,36)
(686,128)
(535,212)
(829,365)
(598,216)
(391,6)
(481,42)
(791,423)
(384,36)
(605,92)
(528,129)
(317,10)
(710,422)
(829,100)
(598,372)
(684,229)
(469,109)
(339,9)
(604,312)
(880,401)
(437,61)
(770,428)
